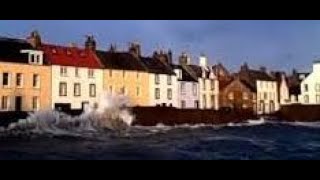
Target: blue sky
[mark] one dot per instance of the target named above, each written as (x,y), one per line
(279,45)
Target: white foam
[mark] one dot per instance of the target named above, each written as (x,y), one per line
(111,113)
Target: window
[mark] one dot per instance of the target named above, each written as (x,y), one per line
(63,89)
(169,80)
(212,84)
(138,91)
(4,103)
(157,93)
(19,80)
(110,89)
(5,79)
(77,72)
(36,81)
(318,99)
(138,75)
(157,79)
(270,95)
(169,94)
(183,87)
(32,58)
(231,96)
(183,104)
(110,73)
(123,90)
(245,96)
(38,59)
(194,89)
(77,89)
(306,99)
(91,73)
(204,84)
(123,74)
(196,104)
(35,103)
(306,88)
(92,89)
(204,101)
(317,87)
(63,71)
(265,95)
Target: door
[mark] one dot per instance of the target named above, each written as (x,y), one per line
(18,103)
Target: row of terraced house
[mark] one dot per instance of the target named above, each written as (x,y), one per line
(35,75)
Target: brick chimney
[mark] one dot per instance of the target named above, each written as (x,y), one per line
(184,59)
(244,67)
(90,43)
(34,39)
(135,49)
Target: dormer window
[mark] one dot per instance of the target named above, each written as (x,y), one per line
(54,51)
(34,57)
(69,52)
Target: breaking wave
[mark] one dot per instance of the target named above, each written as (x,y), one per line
(111,113)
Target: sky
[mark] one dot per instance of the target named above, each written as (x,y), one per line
(278,45)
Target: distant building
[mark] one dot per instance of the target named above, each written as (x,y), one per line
(24,76)
(188,92)
(238,94)
(77,75)
(208,83)
(310,86)
(265,87)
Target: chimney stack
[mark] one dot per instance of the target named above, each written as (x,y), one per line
(90,43)
(135,49)
(34,39)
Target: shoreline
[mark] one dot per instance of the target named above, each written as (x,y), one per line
(152,116)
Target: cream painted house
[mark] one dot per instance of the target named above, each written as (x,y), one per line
(24,78)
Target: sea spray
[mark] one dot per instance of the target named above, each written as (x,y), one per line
(110,113)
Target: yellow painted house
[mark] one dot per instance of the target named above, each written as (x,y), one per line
(24,79)
(125,74)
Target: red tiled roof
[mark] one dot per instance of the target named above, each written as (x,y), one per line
(70,56)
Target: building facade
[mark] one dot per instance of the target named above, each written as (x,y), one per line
(207,82)
(188,93)
(24,77)
(310,86)
(238,94)
(266,87)
(163,83)
(125,74)
(77,76)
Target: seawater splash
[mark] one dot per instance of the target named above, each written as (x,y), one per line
(111,113)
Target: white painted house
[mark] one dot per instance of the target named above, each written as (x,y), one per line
(188,93)
(163,84)
(208,84)
(310,86)
(77,77)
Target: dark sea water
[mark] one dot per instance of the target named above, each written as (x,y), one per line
(273,141)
